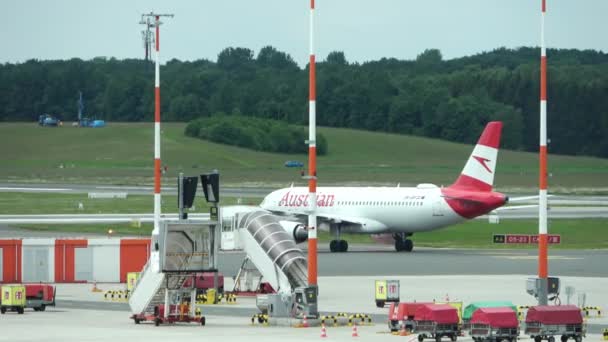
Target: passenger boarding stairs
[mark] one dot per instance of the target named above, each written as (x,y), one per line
(272,250)
(155,285)
(184,248)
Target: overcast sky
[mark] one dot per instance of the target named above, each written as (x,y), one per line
(364,30)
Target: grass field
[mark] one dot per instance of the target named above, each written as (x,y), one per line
(18,203)
(122,154)
(575,234)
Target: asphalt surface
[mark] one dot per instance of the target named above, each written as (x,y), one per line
(382,260)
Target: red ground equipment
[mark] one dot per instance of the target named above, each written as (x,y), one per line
(494,324)
(436,321)
(401,315)
(544,322)
(177,313)
(39,296)
(204,281)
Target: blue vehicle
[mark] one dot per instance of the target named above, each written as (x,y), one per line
(294,163)
(48,120)
(84,121)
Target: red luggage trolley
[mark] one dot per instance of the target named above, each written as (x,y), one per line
(436,321)
(401,315)
(494,324)
(543,322)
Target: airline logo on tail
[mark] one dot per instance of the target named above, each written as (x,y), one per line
(478,173)
(483,162)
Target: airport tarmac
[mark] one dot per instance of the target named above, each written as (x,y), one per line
(346,283)
(82,315)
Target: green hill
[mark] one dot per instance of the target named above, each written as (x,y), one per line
(123,154)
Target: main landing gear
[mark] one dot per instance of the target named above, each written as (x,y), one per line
(337,245)
(402,243)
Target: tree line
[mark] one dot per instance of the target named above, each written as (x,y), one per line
(254,133)
(428,96)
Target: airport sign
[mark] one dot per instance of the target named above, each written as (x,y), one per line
(524,238)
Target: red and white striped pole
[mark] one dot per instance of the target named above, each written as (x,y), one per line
(157,199)
(542,208)
(157,129)
(312,158)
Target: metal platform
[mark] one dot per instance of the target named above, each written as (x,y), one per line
(181,249)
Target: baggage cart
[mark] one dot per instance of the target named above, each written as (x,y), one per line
(39,296)
(401,315)
(494,324)
(544,322)
(436,321)
(13,299)
(471,308)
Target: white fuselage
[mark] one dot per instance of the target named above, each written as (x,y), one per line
(376,209)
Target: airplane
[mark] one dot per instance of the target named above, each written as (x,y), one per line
(397,211)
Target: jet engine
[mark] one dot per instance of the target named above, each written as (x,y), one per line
(296,229)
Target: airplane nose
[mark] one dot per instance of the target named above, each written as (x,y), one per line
(506,199)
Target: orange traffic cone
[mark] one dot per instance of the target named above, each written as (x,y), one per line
(355,332)
(305,322)
(95,288)
(323,331)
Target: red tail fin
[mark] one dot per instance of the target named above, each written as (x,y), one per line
(478,173)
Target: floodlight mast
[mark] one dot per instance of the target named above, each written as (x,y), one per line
(157,199)
(542,193)
(312,158)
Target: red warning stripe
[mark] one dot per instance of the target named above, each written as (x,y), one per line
(544,6)
(543,78)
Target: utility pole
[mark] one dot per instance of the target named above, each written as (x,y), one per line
(155,22)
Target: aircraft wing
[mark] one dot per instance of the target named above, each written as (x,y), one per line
(356,224)
(352,224)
